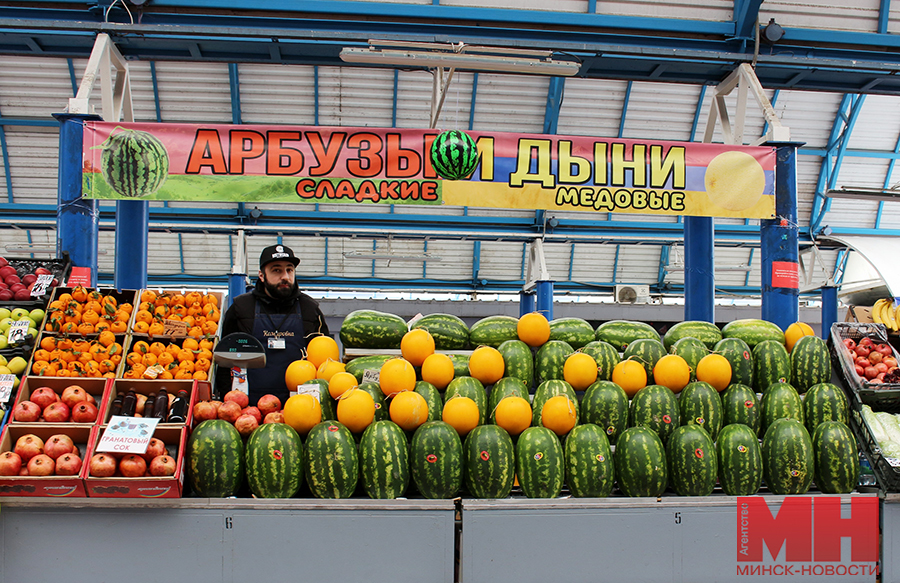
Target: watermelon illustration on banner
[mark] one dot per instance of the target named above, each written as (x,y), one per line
(134,163)
(454,155)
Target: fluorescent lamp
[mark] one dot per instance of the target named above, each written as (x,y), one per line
(864,193)
(390,256)
(448,59)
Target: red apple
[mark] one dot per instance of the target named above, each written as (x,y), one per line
(229,411)
(245,424)
(42,271)
(10,463)
(253,411)
(84,412)
(58,445)
(28,446)
(27,412)
(863,350)
(7,270)
(3,262)
(57,413)
(203,411)
(102,465)
(132,466)
(871,372)
(14,283)
(22,295)
(43,396)
(68,465)
(163,465)
(268,404)
(6,295)
(41,465)
(72,395)
(155,448)
(29,279)
(274,417)
(238,397)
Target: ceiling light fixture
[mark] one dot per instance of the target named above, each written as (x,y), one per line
(863,192)
(390,256)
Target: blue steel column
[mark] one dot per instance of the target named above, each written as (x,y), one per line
(779,241)
(132,227)
(77,219)
(829,309)
(699,269)
(237,284)
(545,298)
(526,303)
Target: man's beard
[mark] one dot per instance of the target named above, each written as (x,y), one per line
(279,291)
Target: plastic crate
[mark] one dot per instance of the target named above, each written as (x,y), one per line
(879,396)
(60,269)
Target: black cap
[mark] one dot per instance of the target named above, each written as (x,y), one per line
(277,253)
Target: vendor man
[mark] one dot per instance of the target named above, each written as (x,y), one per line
(280,316)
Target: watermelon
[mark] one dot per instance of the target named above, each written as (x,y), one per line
(740,405)
(550,360)
(505,387)
(215,459)
(449,332)
(454,155)
(700,404)
(472,388)
(781,401)
(590,469)
(740,460)
(706,332)
(605,404)
(825,402)
(640,458)
(621,333)
(753,331)
(384,460)
(329,405)
(810,363)
(837,458)
(332,463)
(134,163)
(605,356)
(692,351)
(493,331)
(382,411)
(574,331)
(540,463)
(739,356)
(771,364)
(788,458)
(490,462)
(518,361)
(460,364)
(692,464)
(436,460)
(656,408)
(645,351)
(359,365)
(274,461)
(545,391)
(372,329)
(432,398)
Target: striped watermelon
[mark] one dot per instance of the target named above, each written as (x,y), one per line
(621,333)
(640,458)
(692,351)
(781,401)
(540,463)
(837,458)
(691,458)
(134,163)
(328,405)
(518,361)
(332,463)
(490,462)
(740,405)
(493,331)
(545,391)
(382,411)
(700,404)
(432,398)
(605,356)
(656,408)
(215,459)
(449,332)
(436,460)
(740,460)
(645,351)
(605,404)
(706,332)
(472,388)
(460,364)
(753,331)
(771,364)
(574,331)
(361,364)
(810,363)
(739,357)
(590,469)
(372,329)
(825,402)
(454,155)
(788,460)
(505,387)
(274,461)
(550,360)
(384,460)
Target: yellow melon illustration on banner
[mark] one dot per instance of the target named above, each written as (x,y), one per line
(734,180)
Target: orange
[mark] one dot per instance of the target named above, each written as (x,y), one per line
(356,410)
(580,370)
(190,344)
(533,329)
(397,375)
(409,410)
(486,364)
(559,415)
(438,370)
(462,414)
(416,346)
(513,414)
(672,371)
(630,375)
(322,348)
(715,370)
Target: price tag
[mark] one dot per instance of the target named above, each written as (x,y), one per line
(41,285)
(370,375)
(413,320)
(175,328)
(892,461)
(6,386)
(311,389)
(127,434)
(18,331)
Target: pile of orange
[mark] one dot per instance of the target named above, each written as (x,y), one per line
(83,311)
(67,357)
(199,311)
(189,359)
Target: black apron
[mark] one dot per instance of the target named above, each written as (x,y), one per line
(270,379)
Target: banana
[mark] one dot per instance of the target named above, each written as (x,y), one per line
(888,310)
(876,312)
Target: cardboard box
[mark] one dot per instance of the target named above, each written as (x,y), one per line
(127,296)
(172,292)
(133,343)
(146,387)
(175,439)
(96,387)
(861,314)
(121,339)
(56,486)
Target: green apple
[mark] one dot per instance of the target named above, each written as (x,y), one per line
(4,313)
(5,370)
(17,365)
(5,323)
(17,313)
(37,316)
(3,360)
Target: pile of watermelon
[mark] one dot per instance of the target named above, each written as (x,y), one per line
(658,441)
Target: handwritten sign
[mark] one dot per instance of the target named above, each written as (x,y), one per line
(311,389)
(175,328)
(40,286)
(371,375)
(127,434)
(6,386)
(18,331)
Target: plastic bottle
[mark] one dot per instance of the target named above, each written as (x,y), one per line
(116,407)
(178,411)
(148,405)
(128,404)
(161,406)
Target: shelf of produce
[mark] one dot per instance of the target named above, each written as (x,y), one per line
(202,539)
(890,542)
(615,539)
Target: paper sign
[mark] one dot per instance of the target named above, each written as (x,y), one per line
(79,276)
(785,274)
(18,331)
(127,434)
(175,328)
(371,375)
(6,387)
(40,286)
(310,389)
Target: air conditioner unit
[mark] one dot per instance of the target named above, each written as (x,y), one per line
(632,294)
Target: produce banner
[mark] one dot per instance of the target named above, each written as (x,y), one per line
(359,166)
